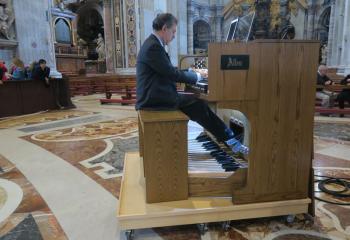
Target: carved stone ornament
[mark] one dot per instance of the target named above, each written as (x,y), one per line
(7,18)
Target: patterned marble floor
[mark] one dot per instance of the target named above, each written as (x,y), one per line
(67,168)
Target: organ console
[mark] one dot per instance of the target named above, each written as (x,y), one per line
(271,82)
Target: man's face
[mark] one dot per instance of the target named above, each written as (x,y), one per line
(323,71)
(169,33)
(42,65)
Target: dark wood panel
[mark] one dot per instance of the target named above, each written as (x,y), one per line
(30,96)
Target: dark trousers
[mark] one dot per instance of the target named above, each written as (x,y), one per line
(198,110)
(342,97)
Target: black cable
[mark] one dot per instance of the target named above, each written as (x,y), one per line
(330,177)
(340,193)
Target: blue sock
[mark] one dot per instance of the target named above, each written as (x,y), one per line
(229,133)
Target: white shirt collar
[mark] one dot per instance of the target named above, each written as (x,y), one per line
(159,39)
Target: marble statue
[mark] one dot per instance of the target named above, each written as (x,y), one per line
(100,49)
(6,20)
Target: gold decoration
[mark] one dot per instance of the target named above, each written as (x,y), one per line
(293,7)
(235,7)
(275,14)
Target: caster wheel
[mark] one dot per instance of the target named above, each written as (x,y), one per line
(310,220)
(129,234)
(226,226)
(290,218)
(203,228)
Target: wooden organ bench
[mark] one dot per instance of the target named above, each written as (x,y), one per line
(163,146)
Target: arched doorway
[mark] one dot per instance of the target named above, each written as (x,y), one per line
(63,31)
(90,24)
(201,36)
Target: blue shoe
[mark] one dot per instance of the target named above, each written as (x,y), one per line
(237,146)
(229,133)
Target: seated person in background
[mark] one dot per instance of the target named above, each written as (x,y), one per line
(41,72)
(17,70)
(3,68)
(345,93)
(327,97)
(1,73)
(156,83)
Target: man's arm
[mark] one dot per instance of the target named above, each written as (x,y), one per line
(156,58)
(328,81)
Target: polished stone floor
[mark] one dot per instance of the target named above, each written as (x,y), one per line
(61,172)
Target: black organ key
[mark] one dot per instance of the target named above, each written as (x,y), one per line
(206,155)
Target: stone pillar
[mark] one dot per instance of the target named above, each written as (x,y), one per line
(335,40)
(345,53)
(190,14)
(219,34)
(182,28)
(35,16)
(331,45)
(311,20)
(172,48)
(108,32)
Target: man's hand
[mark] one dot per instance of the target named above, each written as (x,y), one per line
(203,72)
(329,82)
(47,81)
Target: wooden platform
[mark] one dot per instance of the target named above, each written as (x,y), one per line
(134,213)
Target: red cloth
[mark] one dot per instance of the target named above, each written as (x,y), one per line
(4,69)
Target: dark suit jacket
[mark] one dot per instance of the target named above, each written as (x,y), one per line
(156,77)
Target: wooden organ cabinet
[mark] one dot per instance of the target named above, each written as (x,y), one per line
(272,83)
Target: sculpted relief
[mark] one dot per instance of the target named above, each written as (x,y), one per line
(7,18)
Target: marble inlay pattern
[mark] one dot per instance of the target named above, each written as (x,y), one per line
(65,123)
(101,160)
(339,131)
(41,118)
(91,131)
(32,219)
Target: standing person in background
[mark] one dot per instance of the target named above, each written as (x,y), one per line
(17,70)
(41,72)
(3,71)
(31,68)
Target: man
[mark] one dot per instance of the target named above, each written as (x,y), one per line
(41,72)
(156,83)
(322,79)
(345,94)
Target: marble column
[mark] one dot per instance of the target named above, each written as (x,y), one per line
(311,20)
(108,32)
(37,17)
(190,14)
(335,48)
(219,34)
(182,28)
(345,54)
(331,45)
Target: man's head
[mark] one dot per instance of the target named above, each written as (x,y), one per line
(322,70)
(164,25)
(42,63)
